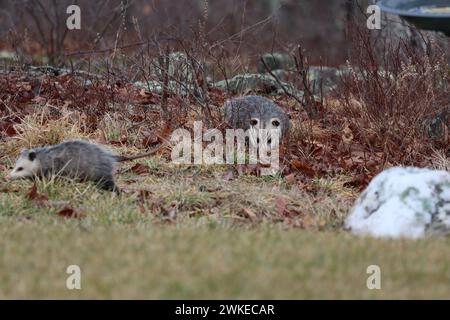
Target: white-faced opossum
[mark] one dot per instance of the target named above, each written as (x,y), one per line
(77,159)
(253,113)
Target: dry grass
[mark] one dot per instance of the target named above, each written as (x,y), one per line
(439,160)
(37,129)
(167,192)
(175,194)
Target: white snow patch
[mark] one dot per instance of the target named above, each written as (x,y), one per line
(403,202)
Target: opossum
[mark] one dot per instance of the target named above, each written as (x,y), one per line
(256,112)
(77,159)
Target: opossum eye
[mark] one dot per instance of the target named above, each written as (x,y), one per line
(275,123)
(19,169)
(32,156)
(253,122)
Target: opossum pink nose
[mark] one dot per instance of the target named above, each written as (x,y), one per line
(8,177)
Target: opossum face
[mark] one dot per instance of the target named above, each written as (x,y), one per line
(263,133)
(27,165)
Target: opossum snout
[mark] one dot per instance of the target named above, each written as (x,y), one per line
(8,178)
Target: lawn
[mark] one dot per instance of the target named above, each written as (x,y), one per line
(212,262)
(188,233)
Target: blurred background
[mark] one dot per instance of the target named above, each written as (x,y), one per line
(244,27)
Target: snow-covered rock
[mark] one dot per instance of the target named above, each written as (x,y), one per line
(403,202)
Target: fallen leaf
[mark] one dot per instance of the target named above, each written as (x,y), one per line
(347,135)
(372,165)
(145,97)
(250,214)
(149,140)
(280,203)
(360,181)
(290,178)
(69,212)
(247,169)
(303,167)
(140,168)
(39,100)
(8,128)
(39,199)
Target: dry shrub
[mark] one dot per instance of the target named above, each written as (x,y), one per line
(395,96)
(39,129)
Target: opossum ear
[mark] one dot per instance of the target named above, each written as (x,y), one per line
(32,155)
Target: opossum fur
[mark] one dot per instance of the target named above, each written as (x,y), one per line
(76,159)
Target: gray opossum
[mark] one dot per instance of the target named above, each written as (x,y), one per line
(75,159)
(256,112)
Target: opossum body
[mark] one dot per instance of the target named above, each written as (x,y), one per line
(74,159)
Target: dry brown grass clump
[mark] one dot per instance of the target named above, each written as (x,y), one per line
(38,130)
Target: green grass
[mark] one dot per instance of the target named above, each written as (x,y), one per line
(192,262)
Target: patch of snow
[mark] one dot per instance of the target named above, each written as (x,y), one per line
(403,202)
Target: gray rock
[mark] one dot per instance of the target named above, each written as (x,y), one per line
(173,87)
(323,79)
(256,83)
(180,68)
(276,61)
